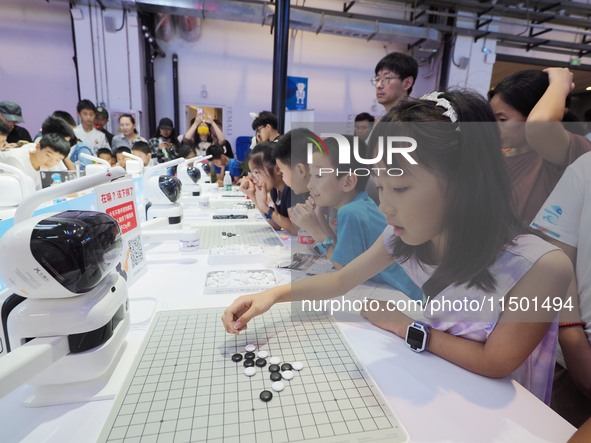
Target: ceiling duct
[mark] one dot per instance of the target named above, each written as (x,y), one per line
(301,18)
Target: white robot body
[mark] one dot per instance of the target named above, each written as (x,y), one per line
(64,322)
(163,193)
(32,277)
(95,324)
(16,186)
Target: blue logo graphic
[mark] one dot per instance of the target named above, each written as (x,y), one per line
(553,214)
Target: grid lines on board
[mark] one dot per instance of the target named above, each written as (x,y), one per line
(248,234)
(184,387)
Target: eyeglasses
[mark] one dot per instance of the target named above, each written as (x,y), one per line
(255,174)
(385,80)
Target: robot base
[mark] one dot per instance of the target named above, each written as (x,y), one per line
(191,190)
(103,387)
(100,316)
(173,212)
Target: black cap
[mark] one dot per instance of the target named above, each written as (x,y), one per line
(166,123)
(102,112)
(11,111)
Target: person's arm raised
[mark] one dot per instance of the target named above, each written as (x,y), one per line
(319,287)
(190,134)
(543,129)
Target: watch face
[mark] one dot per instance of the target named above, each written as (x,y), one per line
(414,337)
(317,250)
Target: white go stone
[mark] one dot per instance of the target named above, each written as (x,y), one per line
(277,386)
(250,348)
(250,371)
(230,279)
(262,354)
(287,375)
(297,365)
(274,360)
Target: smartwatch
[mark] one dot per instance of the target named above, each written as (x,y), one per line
(269,214)
(321,248)
(417,336)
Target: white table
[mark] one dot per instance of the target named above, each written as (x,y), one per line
(436,401)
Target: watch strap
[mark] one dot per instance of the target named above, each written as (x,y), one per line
(269,214)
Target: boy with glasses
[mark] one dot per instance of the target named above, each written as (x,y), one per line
(265,127)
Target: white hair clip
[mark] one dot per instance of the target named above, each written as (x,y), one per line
(444,103)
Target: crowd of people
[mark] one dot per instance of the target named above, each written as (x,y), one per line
(493,208)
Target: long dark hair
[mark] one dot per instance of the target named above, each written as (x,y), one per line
(174,133)
(522,90)
(479,220)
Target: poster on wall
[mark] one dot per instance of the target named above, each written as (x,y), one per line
(118,200)
(297,93)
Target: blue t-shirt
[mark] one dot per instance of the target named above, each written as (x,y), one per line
(359,224)
(75,155)
(234,168)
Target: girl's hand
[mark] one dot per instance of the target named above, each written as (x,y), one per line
(260,195)
(247,187)
(236,316)
(393,321)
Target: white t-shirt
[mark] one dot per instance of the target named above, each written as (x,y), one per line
(565,216)
(94,138)
(19,158)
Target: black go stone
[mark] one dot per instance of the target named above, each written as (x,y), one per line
(273,368)
(236,358)
(261,362)
(266,396)
(286,367)
(276,376)
(249,355)
(248,362)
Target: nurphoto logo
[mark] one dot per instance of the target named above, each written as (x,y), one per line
(390,145)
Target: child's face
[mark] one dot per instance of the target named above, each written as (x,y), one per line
(100,122)
(511,123)
(121,159)
(146,158)
(285,171)
(414,204)
(87,117)
(165,132)
(263,133)
(363,129)
(324,186)
(47,157)
(260,176)
(108,158)
(126,126)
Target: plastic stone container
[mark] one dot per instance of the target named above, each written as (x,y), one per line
(229,282)
(235,254)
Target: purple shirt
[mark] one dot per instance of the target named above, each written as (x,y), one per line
(537,371)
